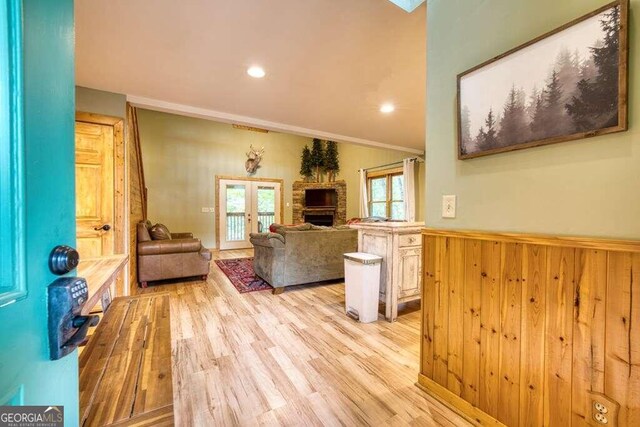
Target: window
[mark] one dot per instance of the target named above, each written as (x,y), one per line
(386,193)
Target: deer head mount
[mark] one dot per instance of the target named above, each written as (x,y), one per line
(253,159)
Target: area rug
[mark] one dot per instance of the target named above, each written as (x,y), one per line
(240,273)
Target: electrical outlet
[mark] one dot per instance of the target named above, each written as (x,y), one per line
(449,206)
(604,410)
(600,407)
(204,210)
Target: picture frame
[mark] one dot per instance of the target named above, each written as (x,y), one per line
(567,84)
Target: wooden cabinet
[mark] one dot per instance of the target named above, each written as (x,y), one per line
(398,243)
(409,277)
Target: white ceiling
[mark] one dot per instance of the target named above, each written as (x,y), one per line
(330,63)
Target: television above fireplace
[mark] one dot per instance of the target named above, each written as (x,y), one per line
(320,197)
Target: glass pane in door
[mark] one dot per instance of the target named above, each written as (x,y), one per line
(236,201)
(266,207)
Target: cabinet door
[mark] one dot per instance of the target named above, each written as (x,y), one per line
(409,271)
(378,244)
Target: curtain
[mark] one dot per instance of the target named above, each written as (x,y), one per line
(408,170)
(364,199)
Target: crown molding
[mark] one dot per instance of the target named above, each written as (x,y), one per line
(219,116)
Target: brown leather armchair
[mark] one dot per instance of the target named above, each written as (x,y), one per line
(180,256)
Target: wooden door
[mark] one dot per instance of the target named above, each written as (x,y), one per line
(265,205)
(94,189)
(235,213)
(245,206)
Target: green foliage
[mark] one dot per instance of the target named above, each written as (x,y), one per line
(331,161)
(306,167)
(317,157)
(317,154)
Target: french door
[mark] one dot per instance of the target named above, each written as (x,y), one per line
(246,206)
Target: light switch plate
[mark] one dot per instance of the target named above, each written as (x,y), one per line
(449,206)
(204,210)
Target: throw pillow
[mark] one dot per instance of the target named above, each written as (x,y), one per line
(160,232)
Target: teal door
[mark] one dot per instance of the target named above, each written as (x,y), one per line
(37,202)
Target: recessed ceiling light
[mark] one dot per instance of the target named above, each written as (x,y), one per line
(256,72)
(387,108)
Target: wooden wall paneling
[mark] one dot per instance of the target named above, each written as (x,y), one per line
(510,318)
(622,353)
(441,313)
(120,216)
(588,330)
(137,194)
(456,263)
(540,239)
(428,305)
(472,294)
(490,331)
(532,333)
(559,336)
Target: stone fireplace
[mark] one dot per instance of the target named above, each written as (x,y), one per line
(331,213)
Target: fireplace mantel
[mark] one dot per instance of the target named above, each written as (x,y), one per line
(299,208)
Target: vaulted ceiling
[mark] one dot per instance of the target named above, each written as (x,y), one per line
(330,64)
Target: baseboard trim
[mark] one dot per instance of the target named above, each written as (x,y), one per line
(456,403)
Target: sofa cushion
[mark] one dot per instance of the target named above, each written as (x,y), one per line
(283,229)
(274,227)
(166,246)
(160,232)
(342,227)
(274,240)
(322,227)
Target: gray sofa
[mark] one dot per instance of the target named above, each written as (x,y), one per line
(294,255)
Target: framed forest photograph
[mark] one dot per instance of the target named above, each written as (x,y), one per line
(568,84)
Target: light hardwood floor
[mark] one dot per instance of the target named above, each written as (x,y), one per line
(291,359)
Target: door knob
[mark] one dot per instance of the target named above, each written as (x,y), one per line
(105,227)
(63,259)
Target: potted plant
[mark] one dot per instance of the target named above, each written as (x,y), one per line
(331,162)
(306,166)
(317,158)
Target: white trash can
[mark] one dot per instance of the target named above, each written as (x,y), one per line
(362,286)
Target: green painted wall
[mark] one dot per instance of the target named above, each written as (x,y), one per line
(100,102)
(182,155)
(588,187)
